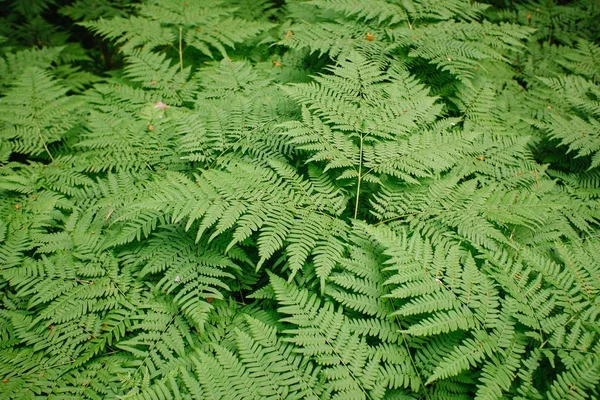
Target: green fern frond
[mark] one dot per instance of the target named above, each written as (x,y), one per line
(286,374)
(36,113)
(579,135)
(158,338)
(584,60)
(459,47)
(336,40)
(350,365)
(324,199)
(261,207)
(200,24)
(380,10)
(580,381)
(12,65)
(445,10)
(153,71)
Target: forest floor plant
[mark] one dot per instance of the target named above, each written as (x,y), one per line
(323,199)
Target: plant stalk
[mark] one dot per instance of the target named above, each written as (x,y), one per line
(360,161)
(180,48)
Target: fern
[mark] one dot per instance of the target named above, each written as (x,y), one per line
(324,199)
(36,113)
(205,26)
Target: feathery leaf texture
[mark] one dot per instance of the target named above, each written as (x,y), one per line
(322,199)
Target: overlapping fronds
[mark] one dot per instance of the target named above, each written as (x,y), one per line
(322,199)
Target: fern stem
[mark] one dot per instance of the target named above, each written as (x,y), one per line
(180,49)
(395,218)
(414,365)
(408,21)
(360,161)
(45,145)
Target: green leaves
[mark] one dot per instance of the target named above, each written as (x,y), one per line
(350,365)
(328,199)
(203,25)
(459,47)
(578,131)
(36,113)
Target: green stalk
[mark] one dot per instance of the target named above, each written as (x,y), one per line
(359,176)
(180,49)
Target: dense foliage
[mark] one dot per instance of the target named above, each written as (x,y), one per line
(345,199)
